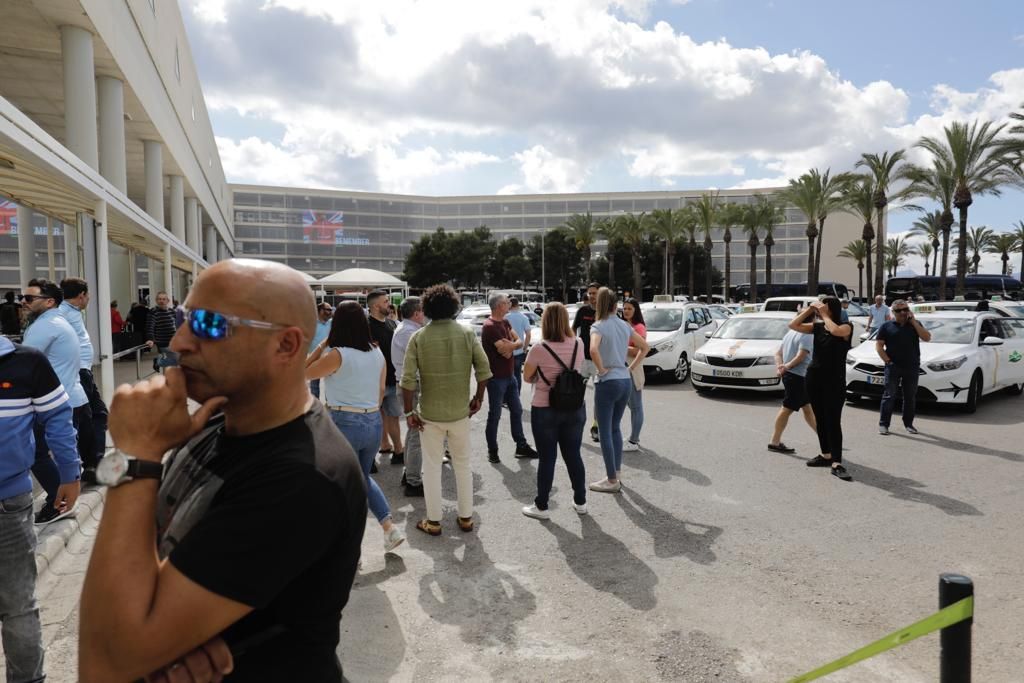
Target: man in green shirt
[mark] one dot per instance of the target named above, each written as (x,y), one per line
(442,355)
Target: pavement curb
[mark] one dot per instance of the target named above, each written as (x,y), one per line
(53,539)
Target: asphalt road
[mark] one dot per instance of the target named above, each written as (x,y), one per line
(719,561)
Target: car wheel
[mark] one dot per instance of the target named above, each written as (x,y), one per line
(682,370)
(973,393)
(1015,389)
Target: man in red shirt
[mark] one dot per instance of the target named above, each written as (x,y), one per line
(500,341)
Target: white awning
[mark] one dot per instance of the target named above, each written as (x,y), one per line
(361,278)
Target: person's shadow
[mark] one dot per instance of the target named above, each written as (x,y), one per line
(467,590)
(672,536)
(661,468)
(606,564)
(372,644)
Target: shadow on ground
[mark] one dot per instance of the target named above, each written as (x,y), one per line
(372,644)
(672,537)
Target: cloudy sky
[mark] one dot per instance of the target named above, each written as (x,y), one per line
(519,96)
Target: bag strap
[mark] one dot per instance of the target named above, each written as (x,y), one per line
(558,358)
(539,372)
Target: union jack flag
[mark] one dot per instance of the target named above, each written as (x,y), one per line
(323,228)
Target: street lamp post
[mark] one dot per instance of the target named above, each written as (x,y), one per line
(543,286)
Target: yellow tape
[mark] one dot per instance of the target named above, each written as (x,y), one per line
(948,616)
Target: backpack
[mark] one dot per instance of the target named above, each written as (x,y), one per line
(566,394)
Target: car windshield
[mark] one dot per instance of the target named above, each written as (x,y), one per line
(950,330)
(473,313)
(791,305)
(663,319)
(753,328)
(719,313)
(1014,311)
(857,309)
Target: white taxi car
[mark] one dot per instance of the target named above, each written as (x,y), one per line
(741,354)
(675,331)
(1006,308)
(970,355)
(795,304)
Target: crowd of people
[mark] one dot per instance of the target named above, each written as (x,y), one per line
(297,400)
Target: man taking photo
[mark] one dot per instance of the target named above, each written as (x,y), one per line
(898,343)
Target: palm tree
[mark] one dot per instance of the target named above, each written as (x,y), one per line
(896,250)
(706,213)
(611,230)
(936,182)
(980,162)
(882,169)
(860,201)
(830,199)
(925,250)
(634,233)
(859,252)
(731,214)
(583,231)
(929,226)
(769,215)
(1018,230)
(664,223)
(978,239)
(1003,244)
(804,194)
(688,227)
(751,224)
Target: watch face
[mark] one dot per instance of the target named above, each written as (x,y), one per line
(111,469)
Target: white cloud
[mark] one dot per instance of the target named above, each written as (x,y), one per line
(545,173)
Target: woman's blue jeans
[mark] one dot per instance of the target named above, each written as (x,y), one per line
(555,430)
(363,431)
(636,414)
(610,399)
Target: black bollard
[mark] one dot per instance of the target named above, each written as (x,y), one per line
(955,640)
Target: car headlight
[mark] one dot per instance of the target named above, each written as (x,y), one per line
(662,345)
(850,361)
(954,364)
(700,358)
(765,360)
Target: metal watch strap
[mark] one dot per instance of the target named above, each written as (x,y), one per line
(144,469)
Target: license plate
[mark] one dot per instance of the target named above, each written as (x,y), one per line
(876,380)
(727,373)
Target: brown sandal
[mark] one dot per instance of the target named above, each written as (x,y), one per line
(429,527)
(466,523)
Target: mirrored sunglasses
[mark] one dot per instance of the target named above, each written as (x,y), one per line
(214,326)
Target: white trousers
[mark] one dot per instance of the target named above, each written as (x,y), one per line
(432,442)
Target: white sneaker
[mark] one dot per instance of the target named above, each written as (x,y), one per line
(630,446)
(580,509)
(536,512)
(605,486)
(393,539)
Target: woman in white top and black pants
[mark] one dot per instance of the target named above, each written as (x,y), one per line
(353,372)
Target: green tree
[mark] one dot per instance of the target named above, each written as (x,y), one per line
(634,234)
(769,215)
(1003,244)
(858,251)
(830,199)
(804,193)
(611,230)
(897,249)
(883,169)
(977,242)
(469,255)
(666,225)
(925,250)
(929,226)
(688,226)
(425,264)
(1018,230)
(981,162)
(751,225)
(730,215)
(936,182)
(584,231)
(562,258)
(706,211)
(510,267)
(860,201)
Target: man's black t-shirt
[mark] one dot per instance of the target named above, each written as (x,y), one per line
(382,331)
(585,317)
(902,344)
(275,521)
(10,318)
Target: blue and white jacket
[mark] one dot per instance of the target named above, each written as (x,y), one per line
(30,393)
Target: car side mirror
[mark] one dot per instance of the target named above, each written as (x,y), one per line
(690,327)
(864,336)
(708,335)
(992,341)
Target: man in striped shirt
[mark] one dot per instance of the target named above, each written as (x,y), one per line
(160,329)
(30,394)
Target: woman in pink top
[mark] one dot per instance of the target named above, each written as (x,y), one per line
(555,429)
(632,314)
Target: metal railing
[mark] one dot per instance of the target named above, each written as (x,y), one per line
(137,350)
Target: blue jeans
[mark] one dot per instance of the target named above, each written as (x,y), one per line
(22,636)
(610,399)
(503,391)
(517,370)
(636,414)
(555,430)
(893,375)
(363,431)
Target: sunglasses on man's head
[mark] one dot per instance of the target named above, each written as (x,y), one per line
(214,326)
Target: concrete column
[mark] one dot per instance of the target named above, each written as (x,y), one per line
(26,246)
(71,264)
(192,223)
(210,236)
(154,163)
(167,272)
(110,95)
(222,251)
(177,201)
(91,271)
(102,304)
(51,267)
(121,280)
(79,94)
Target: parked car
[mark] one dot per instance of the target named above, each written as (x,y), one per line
(719,313)
(970,355)
(741,353)
(794,304)
(675,331)
(1005,308)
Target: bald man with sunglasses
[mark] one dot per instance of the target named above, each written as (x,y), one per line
(233,581)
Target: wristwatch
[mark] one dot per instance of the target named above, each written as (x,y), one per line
(120,468)
(410,413)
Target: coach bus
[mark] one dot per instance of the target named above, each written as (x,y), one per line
(977,287)
(742,292)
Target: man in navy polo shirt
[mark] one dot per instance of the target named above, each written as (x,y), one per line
(899,345)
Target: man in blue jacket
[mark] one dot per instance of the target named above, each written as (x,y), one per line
(76,298)
(30,394)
